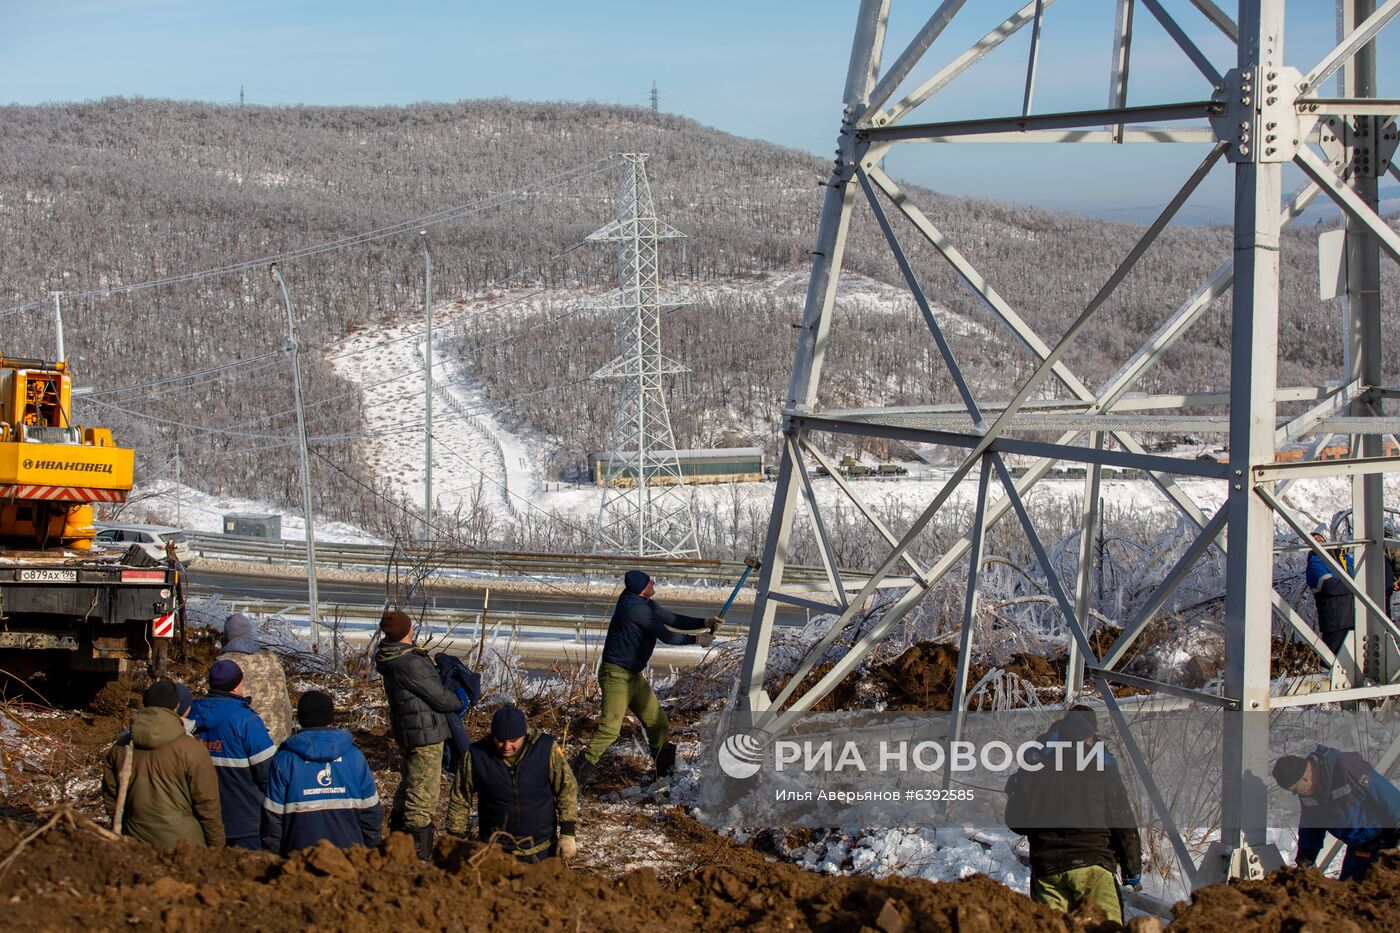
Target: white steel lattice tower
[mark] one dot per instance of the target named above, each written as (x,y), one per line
(1248,112)
(645,510)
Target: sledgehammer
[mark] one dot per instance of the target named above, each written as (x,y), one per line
(751,564)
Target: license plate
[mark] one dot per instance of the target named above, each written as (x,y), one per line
(48,576)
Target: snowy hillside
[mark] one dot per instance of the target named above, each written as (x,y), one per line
(486,462)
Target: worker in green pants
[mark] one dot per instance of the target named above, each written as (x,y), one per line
(1078,820)
(637,624)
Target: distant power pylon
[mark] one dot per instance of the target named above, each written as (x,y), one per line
(655,98)
(645,511)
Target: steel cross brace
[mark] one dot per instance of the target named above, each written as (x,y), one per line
(1119,385)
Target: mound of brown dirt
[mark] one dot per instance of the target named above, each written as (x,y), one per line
(114,699)
(68,880)
(923,676)
(1297,899)
(841,697)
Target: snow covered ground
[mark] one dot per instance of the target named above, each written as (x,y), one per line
(473,454)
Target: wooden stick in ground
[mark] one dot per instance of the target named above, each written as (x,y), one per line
(182,616)
(87,825)
(123,785)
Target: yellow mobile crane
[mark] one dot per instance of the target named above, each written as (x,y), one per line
(64,608)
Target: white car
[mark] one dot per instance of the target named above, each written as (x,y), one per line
(150,538)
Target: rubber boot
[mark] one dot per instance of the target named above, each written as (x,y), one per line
(665,761)
(396,821)
(584,770)
(423,841)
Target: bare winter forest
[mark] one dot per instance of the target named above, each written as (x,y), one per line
(110,193)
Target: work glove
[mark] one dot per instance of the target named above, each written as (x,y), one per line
(1135,882)
(713,623)
(568,847)
(705,639)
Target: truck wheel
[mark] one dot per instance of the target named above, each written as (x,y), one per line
(160,653)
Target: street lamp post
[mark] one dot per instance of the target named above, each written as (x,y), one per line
(313,609)
(428,393)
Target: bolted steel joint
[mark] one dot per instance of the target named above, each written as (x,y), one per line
(1386,137)
(1257,116)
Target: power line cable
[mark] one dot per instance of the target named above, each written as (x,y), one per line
(229,429)
(287,440)
(373,347)
(467,380)
(474,314)
(578,173)
(247,361)
(553,516)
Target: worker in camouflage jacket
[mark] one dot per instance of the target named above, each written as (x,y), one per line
(264,680)
(419,705)
(527,799)
(158,784)
(1079,821)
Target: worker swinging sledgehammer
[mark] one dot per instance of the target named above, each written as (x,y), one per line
(637,624)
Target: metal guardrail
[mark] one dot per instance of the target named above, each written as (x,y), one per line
(447,622)
(538,640)
(501,563)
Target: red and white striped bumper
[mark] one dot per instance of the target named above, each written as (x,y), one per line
(62,493)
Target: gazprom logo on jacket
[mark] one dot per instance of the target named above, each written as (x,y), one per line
(323,777)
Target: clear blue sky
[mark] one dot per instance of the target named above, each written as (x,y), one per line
(770,69)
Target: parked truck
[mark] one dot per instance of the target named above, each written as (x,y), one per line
(70,613)
(854,468)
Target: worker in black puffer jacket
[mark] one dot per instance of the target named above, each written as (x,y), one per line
(419,705)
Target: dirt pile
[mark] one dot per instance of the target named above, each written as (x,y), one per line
(67,879)
(923,676)
(1296,899)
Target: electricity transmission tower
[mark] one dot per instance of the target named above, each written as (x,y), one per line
(645,510)
(1252,116)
